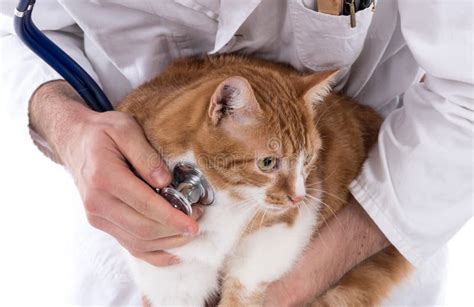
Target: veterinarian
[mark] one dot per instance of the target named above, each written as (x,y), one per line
(414,191)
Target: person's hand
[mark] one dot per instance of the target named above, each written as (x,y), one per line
(348,238)
(95,148)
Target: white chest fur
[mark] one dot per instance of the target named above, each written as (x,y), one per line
(270,252)
(196,277)
(261,257)
(192,281)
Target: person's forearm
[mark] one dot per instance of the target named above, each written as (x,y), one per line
(53,110)
(346,240)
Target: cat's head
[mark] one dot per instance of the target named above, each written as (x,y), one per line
(260,142)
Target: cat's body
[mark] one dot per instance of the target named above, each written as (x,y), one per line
(234,117)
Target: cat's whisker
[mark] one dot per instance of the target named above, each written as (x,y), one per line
(329,194)
(253,206)
(263,217)
(328,207)
(322,180)
(308,205)
(303,204)
(312,184)
(299,205)
(327,177)
(312,197)
(316,232)
(253,220)
(256,207)
(251,225)
(249,204)
(312,201)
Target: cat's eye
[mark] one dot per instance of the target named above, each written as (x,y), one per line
(267,164)
(308,159)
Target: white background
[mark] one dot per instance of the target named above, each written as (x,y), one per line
(39,206)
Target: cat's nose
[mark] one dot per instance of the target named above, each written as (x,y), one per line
(296,199)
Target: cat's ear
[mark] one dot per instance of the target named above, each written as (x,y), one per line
(234,98)
(318,85)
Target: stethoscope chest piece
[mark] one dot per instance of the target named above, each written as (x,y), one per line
(188,187)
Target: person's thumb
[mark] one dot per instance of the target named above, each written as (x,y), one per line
(145,160)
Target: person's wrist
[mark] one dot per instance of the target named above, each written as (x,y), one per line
(57,113)
(65,140)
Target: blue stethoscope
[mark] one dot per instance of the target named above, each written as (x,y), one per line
(58,59)
(189,186)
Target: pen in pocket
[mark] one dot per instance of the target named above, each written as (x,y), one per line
(343,7)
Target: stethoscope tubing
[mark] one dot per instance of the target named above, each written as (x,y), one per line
(95,98)
(86,87)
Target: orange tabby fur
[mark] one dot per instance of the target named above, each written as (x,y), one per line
(338,130)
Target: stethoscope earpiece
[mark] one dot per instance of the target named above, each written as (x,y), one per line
(188,187)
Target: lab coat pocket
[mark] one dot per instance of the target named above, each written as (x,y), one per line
(324,41)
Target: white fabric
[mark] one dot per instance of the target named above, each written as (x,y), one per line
(417,182)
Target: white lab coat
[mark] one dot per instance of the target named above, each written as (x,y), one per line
(417,182)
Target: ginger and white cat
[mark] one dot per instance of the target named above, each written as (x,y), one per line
(274,144)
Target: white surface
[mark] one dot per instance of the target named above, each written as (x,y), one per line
(38,201)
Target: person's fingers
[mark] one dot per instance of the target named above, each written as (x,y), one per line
(133,244)
(145,302)
(132,143)
(198,210)
(132,191)
(166,243)
(158,258)
(131,221)
(139,246)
